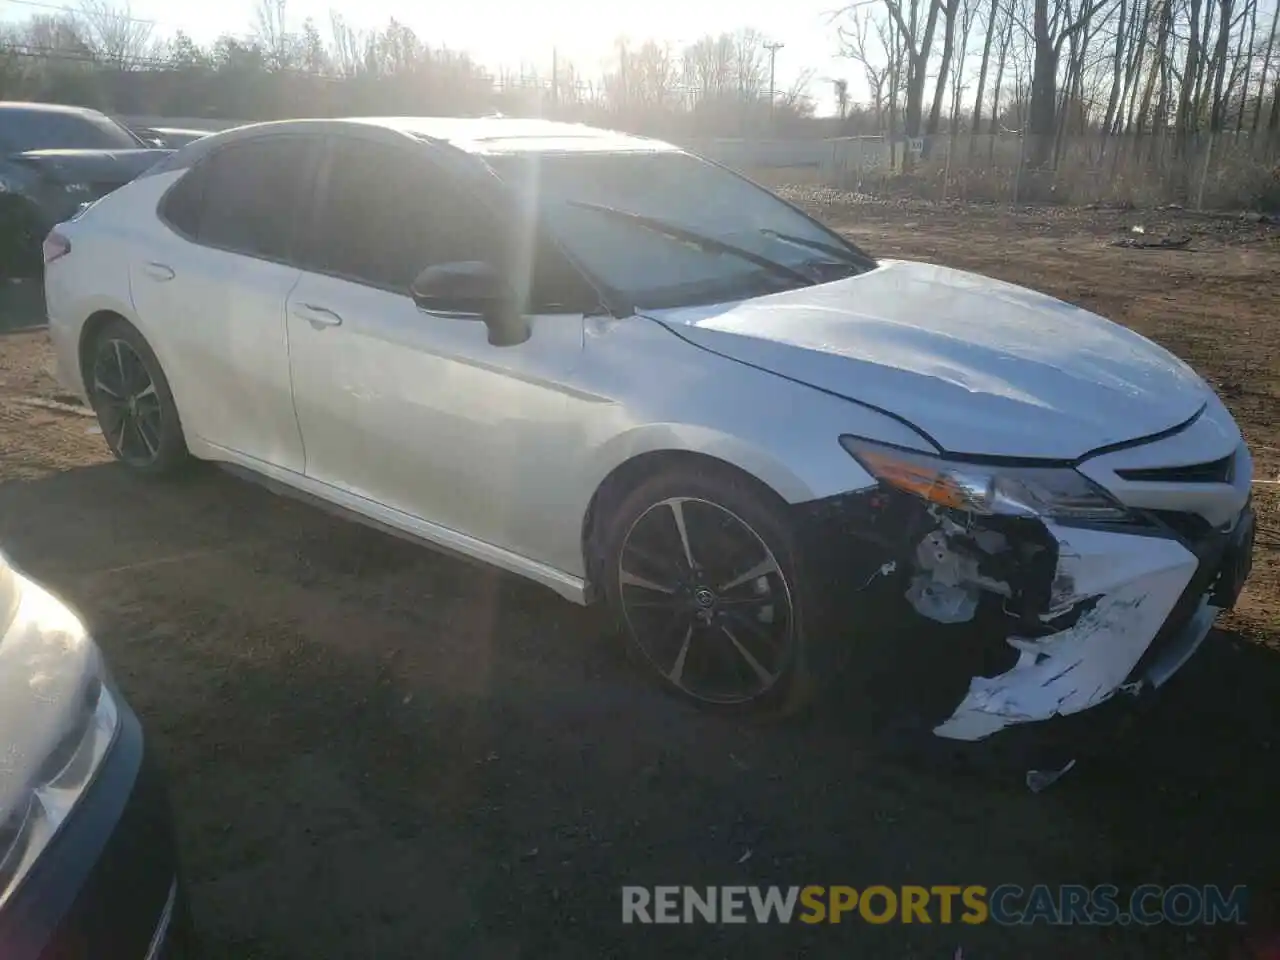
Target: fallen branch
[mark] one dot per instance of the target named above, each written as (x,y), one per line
(60,407)
(1140,243)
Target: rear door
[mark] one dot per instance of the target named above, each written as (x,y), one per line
(215,281)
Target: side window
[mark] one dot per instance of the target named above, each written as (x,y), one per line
(182,204)
(385,216)
(252,196)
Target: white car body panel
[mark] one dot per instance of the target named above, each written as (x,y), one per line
(983,367)
(1138,580)
(225,343)
(1212,436)
(355,396)
(420,413)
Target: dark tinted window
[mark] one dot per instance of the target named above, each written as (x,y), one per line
(387,214)
(27,128)
(384,217)
(182,204)
(252,196)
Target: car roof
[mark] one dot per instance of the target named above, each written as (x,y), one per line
(474,135)
(488,135)
(27,106)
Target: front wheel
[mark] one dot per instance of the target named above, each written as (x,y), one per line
(704,575)
(133,402)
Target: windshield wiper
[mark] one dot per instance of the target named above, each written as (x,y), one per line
(703,242)
(844,255)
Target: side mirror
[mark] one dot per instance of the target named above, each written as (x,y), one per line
(473,290)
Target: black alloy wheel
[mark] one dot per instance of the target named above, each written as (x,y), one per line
(706,601)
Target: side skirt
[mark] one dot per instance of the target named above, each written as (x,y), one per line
(351,506)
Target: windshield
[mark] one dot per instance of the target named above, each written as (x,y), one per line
(33,129)
(634,220)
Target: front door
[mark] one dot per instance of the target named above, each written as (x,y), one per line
(413,410)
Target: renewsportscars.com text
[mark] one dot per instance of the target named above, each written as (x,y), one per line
(1007,905)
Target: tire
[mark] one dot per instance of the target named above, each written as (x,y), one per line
(20,239)
(711,633)
(133,402)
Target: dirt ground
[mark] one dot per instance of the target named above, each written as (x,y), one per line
(376,751)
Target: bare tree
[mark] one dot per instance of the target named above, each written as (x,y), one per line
(1050,30)
(796,99)
(916,24)
(114,34)
(1002,57)
(708,66)
(654,76)
(968,9)
(975,124)
(270,30)
(1266,69)
(346,46)
(949,8)
(876,61)
(750,62)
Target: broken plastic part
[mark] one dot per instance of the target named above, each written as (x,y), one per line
(942,602)
(948,580)
(1039,781)
(1133,583)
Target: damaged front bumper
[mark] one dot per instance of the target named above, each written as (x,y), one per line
(1028,620)
(1151,599)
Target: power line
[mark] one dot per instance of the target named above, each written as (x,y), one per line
(42,5)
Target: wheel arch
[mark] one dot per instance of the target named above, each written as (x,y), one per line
(92,327)
(634,470)
(90,330)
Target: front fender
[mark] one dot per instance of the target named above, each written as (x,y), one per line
(812,476)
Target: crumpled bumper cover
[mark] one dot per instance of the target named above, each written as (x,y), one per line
(1138,581)
(1152,604)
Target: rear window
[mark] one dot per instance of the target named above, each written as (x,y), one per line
(246,197)
(181,206)
(22,130)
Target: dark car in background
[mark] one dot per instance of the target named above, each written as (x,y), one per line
(88,868)
(173,138)
(53,159)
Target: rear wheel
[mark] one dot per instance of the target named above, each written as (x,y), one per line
(703,572)
(135,407)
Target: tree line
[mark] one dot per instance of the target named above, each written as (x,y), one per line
(99,55)
(1177,98)
(1057,68)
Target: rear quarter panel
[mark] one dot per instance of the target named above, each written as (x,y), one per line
(94,277)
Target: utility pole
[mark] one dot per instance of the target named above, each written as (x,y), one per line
(773,46)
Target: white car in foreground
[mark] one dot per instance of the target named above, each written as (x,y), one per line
(623,372)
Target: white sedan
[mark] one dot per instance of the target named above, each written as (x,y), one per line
(626,373)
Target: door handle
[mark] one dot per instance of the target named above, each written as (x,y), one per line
(160,272)
(318,317)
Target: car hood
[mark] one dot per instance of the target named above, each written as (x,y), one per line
(115,167)
(981,366)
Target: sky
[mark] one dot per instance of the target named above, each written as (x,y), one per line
(509,33)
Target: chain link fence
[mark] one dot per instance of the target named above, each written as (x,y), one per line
(1210,171)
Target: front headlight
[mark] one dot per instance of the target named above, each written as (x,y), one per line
(1055,493)
(60,718)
